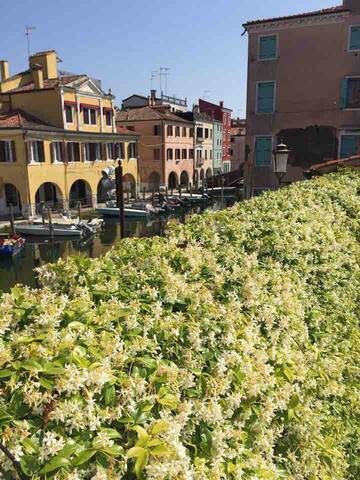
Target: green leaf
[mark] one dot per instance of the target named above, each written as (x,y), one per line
(111,433)
(54,464)
(109,394)
(160,427)
(51,369)
(161,451)
(114,451)
(46,383)
(29,465)
(29,445)
(141,462)
(83,457)
(142,433)
(5,373)
(135,452)
(294,401)
(31,365)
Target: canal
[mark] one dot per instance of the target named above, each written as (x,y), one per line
(39,251)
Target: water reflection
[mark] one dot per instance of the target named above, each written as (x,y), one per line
(37,252)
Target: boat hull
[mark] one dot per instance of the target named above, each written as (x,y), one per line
(128,212)
(44,231)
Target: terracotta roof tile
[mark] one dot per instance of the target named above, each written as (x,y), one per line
(147,113)
(324,11)
(49,83)
(21,119)
(125,131)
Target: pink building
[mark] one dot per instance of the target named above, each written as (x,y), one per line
(303,89)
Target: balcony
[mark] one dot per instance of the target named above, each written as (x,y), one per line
(200,162)
(200,139)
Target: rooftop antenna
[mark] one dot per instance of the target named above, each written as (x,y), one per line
(28,31)
(164,71)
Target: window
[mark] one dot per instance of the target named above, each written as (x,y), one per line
(36,151)
(263,147)
(131,150)
(206,154)
(191,154)
(108,118)
(191,132)
(177,154)
(265,97)
(199,132)
(350,93)
(184,154)
(184,132)
(73,151)
(119,150)
(169,131)
(177,132)
(206,133)
(110,151)
(57,152)
(91,152)
(349,145)
(211,154)
(268,47)
(232,139)
(69,113)
(211,133)
(89,116)
(169,154)
(157,130)
(354,41)
(156,153)
(226,167)
(7,151)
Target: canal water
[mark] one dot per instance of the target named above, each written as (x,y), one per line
(38,252)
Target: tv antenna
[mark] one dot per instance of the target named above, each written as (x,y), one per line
(164,72)
(28,31)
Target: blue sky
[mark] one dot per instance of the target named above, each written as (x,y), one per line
(122,42)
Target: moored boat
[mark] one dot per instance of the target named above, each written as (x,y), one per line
(11,245)
(40,230)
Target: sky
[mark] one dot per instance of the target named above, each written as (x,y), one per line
(121,42)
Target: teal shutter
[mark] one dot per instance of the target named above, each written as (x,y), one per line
(268,47)
(355,38)
(263,151)
(265,100)
(344,93)
(349,145)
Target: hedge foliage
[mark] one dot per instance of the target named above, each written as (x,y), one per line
(228,350)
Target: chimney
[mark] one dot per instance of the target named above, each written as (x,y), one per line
(152,97)
(4,70)
(221,104)
(48,61)
(38,78)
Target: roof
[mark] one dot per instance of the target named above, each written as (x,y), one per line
(21,119)
(48,83)
(148,113)
(324,11)
(125,131)
(332,165)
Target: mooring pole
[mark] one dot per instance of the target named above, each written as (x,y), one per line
(12,222)
(120,197)
(51,226)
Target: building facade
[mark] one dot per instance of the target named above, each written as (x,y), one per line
(223,115)
(237,139)
(304,90)
(57,135)
(166,149)
(218,149)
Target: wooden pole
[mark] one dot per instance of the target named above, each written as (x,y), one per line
(12,222)
(191,192)
(120,197)
(180,191)
(166,193)
(127,196)
(51,226)
(79,210)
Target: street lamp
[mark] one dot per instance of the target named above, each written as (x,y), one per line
(281,157)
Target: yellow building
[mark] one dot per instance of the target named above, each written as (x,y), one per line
(57,137)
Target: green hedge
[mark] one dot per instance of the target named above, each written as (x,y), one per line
(228,350)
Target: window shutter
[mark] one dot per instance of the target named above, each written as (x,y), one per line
(63,149)
(41,151)
(263,151)
(268,47)
(355,38)
(266,91)
(344,93)
(349,145)
(13,151)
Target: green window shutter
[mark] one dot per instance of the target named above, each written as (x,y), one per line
(355,38)
(263,151)
(344,93)
(268,47)
(349,145)
(265,100)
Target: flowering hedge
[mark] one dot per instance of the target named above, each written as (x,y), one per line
(228,350)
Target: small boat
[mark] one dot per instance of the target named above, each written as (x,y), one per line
(128,212)
(40,230)
(11,245)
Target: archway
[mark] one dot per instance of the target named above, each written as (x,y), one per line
(12,197)
(173,180)
(80,191)
(48,195)
(184,179)
(129,183)
(154,181)
(105,189)
(208,173)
